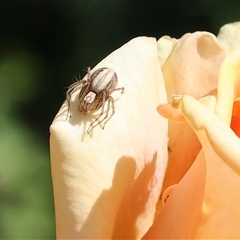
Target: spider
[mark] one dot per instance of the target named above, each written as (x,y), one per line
(95,92)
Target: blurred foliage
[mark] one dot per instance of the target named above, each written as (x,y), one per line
(43,44)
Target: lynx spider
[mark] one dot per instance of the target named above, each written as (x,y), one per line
(95,92)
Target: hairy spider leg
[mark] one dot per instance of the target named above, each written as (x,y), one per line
(110,100)
(93,124)
(72,89)
(118,89)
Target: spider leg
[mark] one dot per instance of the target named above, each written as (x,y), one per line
(96,122)
(72,89)
(88,73)
(75,87)
(110,101)
(118,89)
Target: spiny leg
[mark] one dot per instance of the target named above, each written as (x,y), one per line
(72,89)
(96,121)
(93,125)
(88,73)
(118,89)
(110,101)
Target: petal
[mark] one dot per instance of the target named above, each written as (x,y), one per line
(220,137)
(204,205)
(191,68)
(194,58)
(165,46)
(229,36)
(235,122)
(170,113)
(95,174)
(221,149)
(181,213)
(228,85)
(173,114)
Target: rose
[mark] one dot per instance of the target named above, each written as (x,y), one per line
(107,184)
(208,193)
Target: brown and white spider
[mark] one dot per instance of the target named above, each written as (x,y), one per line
(95,92)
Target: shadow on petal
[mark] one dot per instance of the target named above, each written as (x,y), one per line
(124,173)
(181,214)
(132,215)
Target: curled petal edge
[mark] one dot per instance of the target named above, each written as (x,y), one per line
(221,138)
(228,85)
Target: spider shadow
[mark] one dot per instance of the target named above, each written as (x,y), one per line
(76,118)
(135,195)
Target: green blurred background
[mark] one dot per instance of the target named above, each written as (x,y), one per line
(43,44)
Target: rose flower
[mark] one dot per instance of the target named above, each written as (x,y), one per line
(156,170)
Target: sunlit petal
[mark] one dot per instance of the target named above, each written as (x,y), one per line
(203,204)
(116,173)
(165,46)
(229,36)
(228,85)
(191,68)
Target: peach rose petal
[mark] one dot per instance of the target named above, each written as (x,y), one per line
(228,85)
(235,122)
(181,214)
(168,111)
(222,154)
(221,138)
(193,65)
(101,179)
(204,205)
(191,68)
(165,46)
(229,36)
